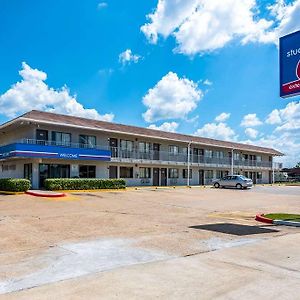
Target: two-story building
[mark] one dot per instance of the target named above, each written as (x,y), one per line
(40,145)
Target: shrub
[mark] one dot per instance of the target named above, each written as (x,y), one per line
(56,184)
(14,185)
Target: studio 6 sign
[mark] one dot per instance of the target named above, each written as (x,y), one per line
(289,56)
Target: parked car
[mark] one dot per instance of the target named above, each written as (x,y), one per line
(237,181)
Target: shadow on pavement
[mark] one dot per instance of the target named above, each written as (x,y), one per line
(234,229)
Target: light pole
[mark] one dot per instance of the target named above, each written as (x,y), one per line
(232,161)
(188,163)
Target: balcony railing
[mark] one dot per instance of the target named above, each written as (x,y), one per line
(152,155)
(160,156)
(62,144)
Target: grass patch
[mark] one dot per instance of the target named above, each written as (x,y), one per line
(284,217)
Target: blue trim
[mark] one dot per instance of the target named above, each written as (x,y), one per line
(55,152)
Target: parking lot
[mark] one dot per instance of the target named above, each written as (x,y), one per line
(146,242)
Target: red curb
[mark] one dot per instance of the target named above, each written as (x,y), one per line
(263,219)
(37,194)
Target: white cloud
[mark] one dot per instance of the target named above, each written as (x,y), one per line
(286,135)
(251,120)
(102,5)
(222,117)
(216,131)
(207,82)
(287,16)
(171,98)
(33,93)
(274,117)
(128,57)
(166,126)
(252,133)
(167,17)
(206,25)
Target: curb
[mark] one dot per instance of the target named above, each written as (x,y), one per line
(263,219)
(286,223)
(11,193)
(37,194)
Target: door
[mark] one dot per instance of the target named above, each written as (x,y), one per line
(113,172)
(196,155)
(156,148)
(52,171)
(156,176)
(201,177)
(28,172)
(163,176)
(113,143)
(41,136)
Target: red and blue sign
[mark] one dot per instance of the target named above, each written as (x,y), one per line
(289,59)
(56,152)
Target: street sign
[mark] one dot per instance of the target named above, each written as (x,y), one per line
(289,61)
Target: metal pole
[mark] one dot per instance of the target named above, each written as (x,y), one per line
(188,164)
(231,161)
(273,172)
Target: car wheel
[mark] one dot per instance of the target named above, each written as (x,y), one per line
(239,186)
(216,185)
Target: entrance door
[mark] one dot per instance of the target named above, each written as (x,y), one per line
(156,148)
(53,171)
(113,172)
(156,176)
(201,177)
(41,136)
(28,172)
(113,143)
(163,176)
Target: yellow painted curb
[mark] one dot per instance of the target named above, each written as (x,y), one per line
(90,191)
(11,193)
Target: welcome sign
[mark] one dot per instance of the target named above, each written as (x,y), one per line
(289,59)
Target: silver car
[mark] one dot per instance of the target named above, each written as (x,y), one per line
(237,181)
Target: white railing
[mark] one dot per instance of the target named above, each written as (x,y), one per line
(162,156)
(62,144)
(152,155)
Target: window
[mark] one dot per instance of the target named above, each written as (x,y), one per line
(61,138)
(236,156)
(219,154)
(259,175)
(144,147)
(126,145)
(145,172)
(28,171)
(258,158)
(9,168)
(126,172)
(221,174)
(208,174)
(87,141)
(185,173)
(86,171)
(173,173)
(208,153)
(173,150)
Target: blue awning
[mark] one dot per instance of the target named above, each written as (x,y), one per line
(56,152)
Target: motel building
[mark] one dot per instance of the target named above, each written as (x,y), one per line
(40,145)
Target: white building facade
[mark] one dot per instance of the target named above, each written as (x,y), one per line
(40,145)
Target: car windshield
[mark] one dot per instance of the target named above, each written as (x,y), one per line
(243,177)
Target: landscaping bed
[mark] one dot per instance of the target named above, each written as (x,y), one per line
(64,184)
(283,217)
(15,185)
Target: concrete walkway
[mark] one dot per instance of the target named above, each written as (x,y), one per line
(267,270)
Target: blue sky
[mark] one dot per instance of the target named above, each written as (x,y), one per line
(78,46)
